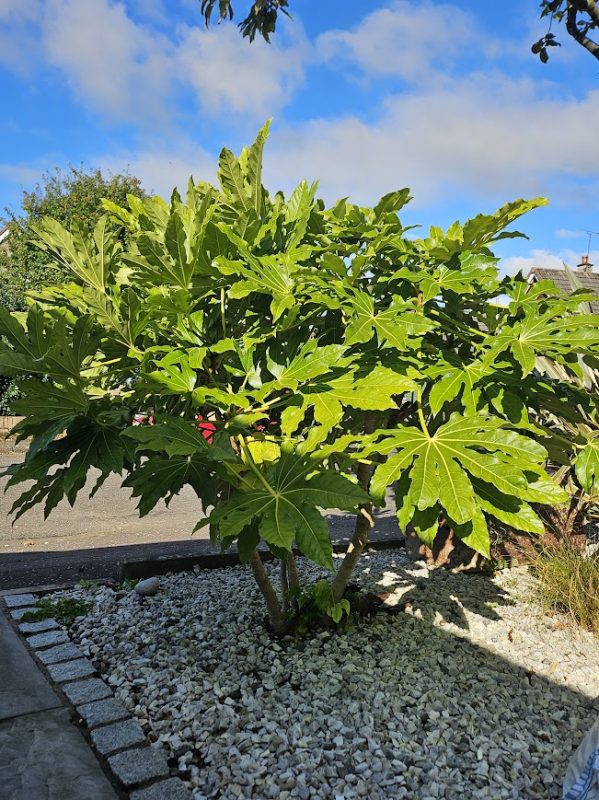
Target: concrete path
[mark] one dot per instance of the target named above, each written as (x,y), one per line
(43,756)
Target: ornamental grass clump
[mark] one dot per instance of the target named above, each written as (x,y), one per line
(283,358)
(568,582)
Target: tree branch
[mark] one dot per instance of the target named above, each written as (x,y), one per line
(578,34)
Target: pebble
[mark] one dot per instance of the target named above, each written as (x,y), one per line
(469,693)
(147,587)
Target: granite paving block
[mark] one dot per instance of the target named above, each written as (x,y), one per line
(86,691)
(17,613)
(23,687)
(39,627)
(69,670)
(62,652)
(19,600)
(47,639)
(44,757)
(101,712)
(172,789)
(110,738)
(136,766)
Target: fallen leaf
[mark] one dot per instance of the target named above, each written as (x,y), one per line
(510,635)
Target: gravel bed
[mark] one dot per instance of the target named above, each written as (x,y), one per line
(469,692)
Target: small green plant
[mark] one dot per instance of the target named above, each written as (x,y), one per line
(63,611)
(317,602)
(568,582)
(85,584)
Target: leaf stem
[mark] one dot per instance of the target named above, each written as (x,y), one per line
(421,418)
(252,465)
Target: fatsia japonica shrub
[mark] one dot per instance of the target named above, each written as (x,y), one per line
(284,358)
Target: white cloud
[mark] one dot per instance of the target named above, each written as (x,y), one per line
(116,67)
(487,135)
(160,170)
(230,74)
(405,39)
(18,50)
(565,233)
(124,69)
(546,259)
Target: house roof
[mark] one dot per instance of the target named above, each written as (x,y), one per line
(587,278)
(4,233)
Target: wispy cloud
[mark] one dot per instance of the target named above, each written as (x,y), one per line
(405,39)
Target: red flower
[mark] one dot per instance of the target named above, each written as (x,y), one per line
(207,428)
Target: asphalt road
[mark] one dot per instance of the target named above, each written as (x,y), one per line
(91,539)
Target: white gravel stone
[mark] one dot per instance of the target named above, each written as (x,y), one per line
(467,692)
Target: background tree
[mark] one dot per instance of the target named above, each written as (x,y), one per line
(72,198)
(580,18)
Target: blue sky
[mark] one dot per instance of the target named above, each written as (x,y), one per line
(366,97)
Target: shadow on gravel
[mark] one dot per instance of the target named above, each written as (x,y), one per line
(448,594)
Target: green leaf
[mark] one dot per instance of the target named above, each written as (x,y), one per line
(587,466)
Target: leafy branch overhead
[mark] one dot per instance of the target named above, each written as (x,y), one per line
(580,18)
(261,17)
(283,359)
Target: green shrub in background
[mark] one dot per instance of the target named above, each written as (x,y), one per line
(73,197)
(290,358)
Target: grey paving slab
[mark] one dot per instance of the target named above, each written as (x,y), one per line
(172,789)
(137,766)
(86,691)
(69,670)
(19,600)
(62,652)
(100,712)
(47,639)
(39,627)
(23,687)
(117,736)
(17,613)
(44,757)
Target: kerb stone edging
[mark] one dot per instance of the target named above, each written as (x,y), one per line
(139,771)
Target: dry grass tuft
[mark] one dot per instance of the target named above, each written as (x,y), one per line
(568,582)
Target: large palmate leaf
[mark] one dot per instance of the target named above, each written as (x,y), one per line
(375,391)
(467,466)
(395,326)
(42,345)
(86,446)
(159,478)
(286,508)
(556,336)
(179,437)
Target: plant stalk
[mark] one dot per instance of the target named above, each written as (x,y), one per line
(363,524)
(275,612)
(284,585)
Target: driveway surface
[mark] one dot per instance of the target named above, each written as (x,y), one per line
(92,538)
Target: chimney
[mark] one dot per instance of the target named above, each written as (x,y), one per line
(585,265)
